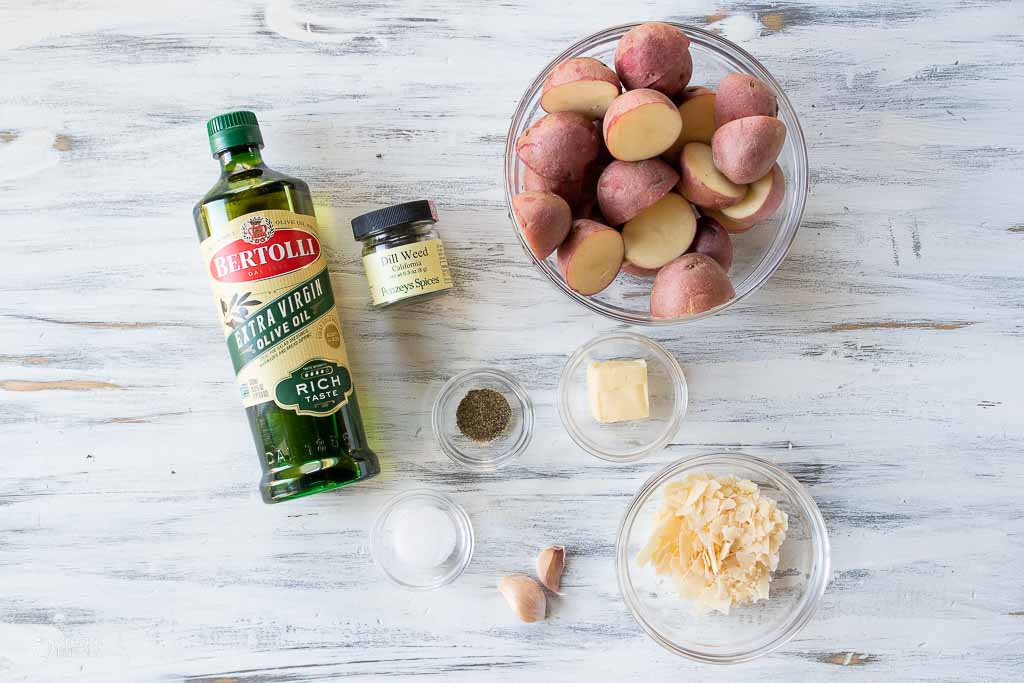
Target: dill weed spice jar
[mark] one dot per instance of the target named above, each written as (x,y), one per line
(403,255)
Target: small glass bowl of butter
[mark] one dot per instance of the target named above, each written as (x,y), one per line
(622,396)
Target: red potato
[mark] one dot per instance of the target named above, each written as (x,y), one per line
(740,96)
(763,198)
(582,85)
(559,146)
(661,233)
(626,188)
(697,110)
(641,124)
(691,284)
(713,240)
(569,190)
(544,219)
(676,81)
(702,183)
(590,257)
(656,56)
(745,149)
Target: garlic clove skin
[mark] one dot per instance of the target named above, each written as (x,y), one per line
(550,564)
(524,596)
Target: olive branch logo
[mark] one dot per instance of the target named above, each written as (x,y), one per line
(235,312)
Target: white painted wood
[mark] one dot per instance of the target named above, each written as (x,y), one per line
(882,365)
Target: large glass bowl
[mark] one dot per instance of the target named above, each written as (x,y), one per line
(758,252)
(748,631)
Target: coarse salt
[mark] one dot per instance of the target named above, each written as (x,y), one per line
(424,536)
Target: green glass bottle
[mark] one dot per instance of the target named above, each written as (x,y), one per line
(258,235)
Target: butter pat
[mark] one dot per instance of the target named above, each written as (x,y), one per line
(617,390)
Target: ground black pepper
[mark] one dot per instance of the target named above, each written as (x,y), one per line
(483,414)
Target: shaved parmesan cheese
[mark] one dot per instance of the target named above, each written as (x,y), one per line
(718,539)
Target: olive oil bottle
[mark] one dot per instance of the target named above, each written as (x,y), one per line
(258,236)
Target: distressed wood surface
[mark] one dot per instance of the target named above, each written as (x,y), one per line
(882,365)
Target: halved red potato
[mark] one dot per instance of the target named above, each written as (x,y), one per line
(582,85)
(702,183)
(675,81)
(697,110)
(569,190)
(661,233)
(654,55)
(691,284)
(559,146)
(590,257)
(626,188)
(745,149)
(763,198)
(544,218)
(641,124)
(740,95)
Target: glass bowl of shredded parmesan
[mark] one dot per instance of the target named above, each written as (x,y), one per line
(722,558)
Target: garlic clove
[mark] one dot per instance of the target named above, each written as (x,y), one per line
(550,564)
(524,596)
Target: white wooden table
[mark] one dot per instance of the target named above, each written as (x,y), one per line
(882,365)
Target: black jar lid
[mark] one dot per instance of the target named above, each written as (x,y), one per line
(383,220)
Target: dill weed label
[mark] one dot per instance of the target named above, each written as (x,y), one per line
(274,294)
(403,255)
(401,272)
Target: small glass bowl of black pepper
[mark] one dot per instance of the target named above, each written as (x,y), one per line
(483,419)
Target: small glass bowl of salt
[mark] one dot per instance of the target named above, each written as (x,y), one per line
(422,540)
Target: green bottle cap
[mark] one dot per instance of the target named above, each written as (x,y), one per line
(234,129)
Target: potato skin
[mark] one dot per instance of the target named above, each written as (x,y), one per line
(579,69)
(559,146)
(740,96)
(745,149)
(626,188)
(675,81)
(693,283)
(713,240)
(544,218)
(569,190)
(654,55)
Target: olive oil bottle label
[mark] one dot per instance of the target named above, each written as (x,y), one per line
(410,270)
(274,297)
